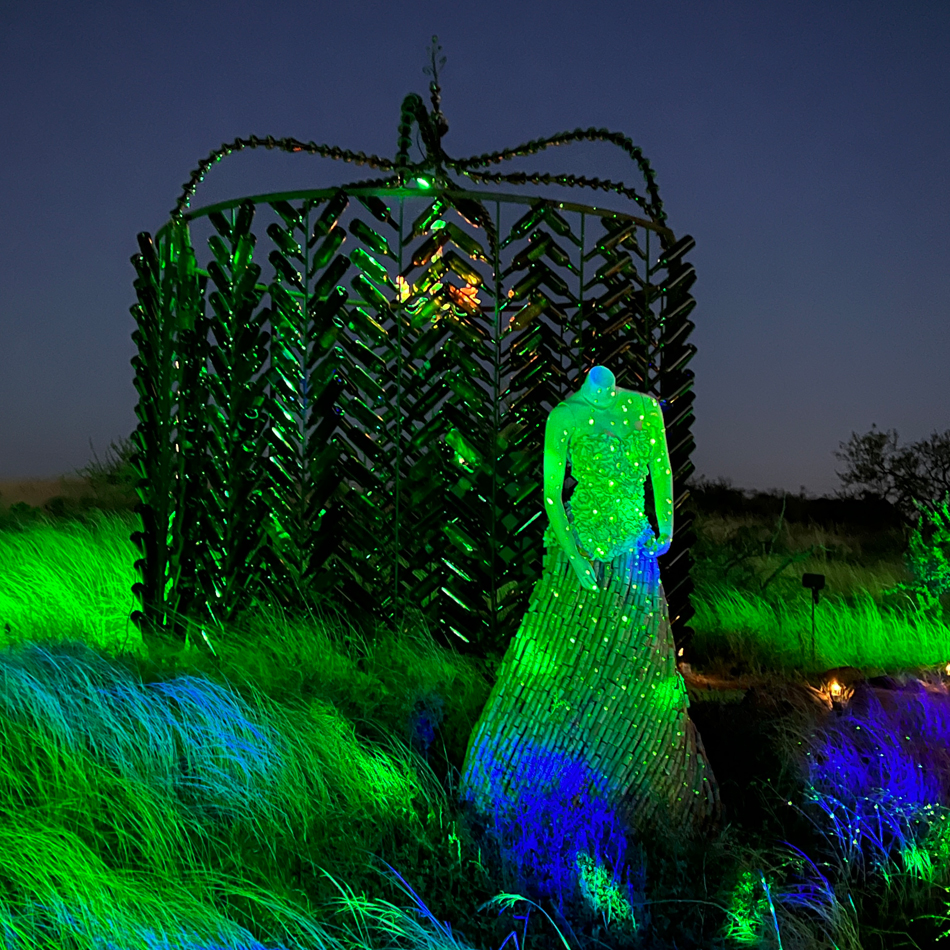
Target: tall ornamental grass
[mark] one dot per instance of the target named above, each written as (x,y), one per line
(124,799)
(70,579)
(772,634)
(164,796)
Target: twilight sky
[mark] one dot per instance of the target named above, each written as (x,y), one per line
(805,145)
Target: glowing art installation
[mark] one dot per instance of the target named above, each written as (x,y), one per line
(591,672)
(345,394)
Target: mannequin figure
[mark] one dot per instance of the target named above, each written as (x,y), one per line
(591,675)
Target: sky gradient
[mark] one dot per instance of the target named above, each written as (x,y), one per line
(806,147)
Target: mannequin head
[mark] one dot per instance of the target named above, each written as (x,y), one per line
(601,378)
(600,387)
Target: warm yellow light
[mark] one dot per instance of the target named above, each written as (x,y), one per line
(832,693)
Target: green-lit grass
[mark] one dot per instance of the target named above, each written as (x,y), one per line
(70,579)
(751,608)
(106,838)
(154,788)
(74,580)
(766,633)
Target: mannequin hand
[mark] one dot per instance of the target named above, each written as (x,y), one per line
(585,573)
(658,545)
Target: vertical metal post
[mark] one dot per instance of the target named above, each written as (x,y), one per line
(647,313)
(814,600)
(579,329)
(398,313)
(496,424)
(304,337)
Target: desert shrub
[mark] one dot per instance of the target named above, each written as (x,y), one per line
(111,480)
(928,556)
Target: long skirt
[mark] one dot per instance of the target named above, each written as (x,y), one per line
(590,681)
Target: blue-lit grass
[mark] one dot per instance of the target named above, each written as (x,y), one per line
(878,777)
(875,784)
(207,780)
(87,852)
(781,898)
(376,922)
(235,779)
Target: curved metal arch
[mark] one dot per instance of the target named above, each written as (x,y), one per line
(369,189)
(431,126)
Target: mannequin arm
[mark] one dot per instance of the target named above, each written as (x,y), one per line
(555,466)
(661,475)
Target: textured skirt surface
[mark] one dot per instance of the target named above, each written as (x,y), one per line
(591,680)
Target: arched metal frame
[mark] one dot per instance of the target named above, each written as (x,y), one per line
(366,417)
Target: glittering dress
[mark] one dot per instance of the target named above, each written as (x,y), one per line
(590,679)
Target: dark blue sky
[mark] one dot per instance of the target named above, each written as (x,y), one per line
(806,146)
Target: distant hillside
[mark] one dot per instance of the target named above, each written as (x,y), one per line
(65,497)
(36,492)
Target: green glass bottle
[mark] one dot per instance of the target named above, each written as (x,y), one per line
(422,224)
(464,270)
(466,243)
(370,266)
(428,247)
(370,292)
(285,241)
(335,207)
(377,208)
(327,249)
(331,277)
(371,238)
(524,224)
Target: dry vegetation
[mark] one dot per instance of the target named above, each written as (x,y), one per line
(37,492)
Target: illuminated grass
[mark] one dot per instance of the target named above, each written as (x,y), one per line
(70,579)
(163,798)
(108,836)
(168,798)
(771,634)
(139,805)
(73,581)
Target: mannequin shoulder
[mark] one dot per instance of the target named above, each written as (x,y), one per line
(647,407)
(561,420)
(562,413)
(636,399)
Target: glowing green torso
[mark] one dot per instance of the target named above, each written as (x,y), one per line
(607,505)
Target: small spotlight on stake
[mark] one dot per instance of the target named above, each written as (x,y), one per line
(815,583)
